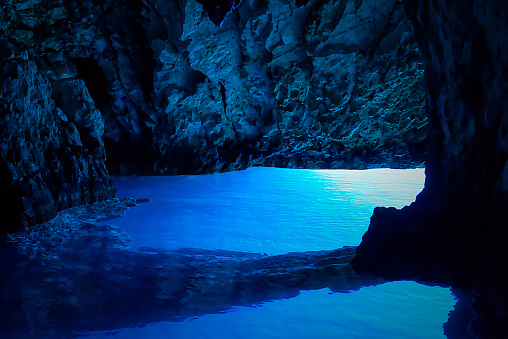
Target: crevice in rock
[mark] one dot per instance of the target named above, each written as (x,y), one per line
(140,53)
(218,10)
(93,75)
(11,203)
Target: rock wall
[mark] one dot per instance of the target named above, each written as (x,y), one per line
(327,84)
(51,157)
(160,88)
(456,231)
(465,195)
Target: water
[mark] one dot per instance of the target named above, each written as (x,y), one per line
(276,211)
(393,310)
(263,210)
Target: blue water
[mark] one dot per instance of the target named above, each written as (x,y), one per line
(276,211)
(393,310)
(263,210)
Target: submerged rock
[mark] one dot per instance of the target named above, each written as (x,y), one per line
(73,275)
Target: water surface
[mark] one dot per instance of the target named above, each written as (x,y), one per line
(263,210)
(276,211)
(395,310)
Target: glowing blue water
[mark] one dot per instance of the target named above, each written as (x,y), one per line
(263,210)
(276,211)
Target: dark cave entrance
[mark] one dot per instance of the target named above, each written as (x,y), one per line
(92,74)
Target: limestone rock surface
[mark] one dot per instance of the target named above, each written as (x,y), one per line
(51,156)
(327,85)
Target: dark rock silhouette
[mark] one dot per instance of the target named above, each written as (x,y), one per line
(456,227)
(456,231)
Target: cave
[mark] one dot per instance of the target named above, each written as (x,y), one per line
(97,98)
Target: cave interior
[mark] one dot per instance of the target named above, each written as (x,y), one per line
(149,87)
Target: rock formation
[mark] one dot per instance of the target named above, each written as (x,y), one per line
(456,231)
(170,87)
(463,206)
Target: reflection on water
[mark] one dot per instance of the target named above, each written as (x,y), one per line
(392,310)
(81,275)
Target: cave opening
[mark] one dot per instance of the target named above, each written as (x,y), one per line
(93,75)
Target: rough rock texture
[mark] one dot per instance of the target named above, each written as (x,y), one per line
(160,88)
(465,193)
(457,230)
(75,269)
(328,84)
(52,152)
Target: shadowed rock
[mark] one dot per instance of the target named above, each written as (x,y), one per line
(457,230)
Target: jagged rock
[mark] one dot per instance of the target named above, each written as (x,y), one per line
(50,160)
(297,96)
(463,206)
